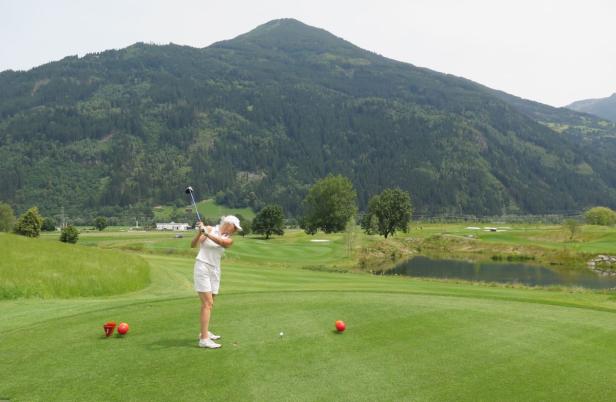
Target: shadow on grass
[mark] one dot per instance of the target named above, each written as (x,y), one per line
(174,343)
(109,338)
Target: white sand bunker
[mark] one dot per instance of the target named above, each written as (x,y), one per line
(320,240)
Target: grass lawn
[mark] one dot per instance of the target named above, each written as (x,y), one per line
(406,339)
(544,244)
(44,269)
(591,238)
(208,209)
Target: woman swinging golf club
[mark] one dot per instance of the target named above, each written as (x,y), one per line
(212,243)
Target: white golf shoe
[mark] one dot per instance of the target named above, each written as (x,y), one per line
(211,336)
(208,343)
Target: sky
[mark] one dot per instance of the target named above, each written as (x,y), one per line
(554,52)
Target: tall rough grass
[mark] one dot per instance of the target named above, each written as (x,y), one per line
(36,268)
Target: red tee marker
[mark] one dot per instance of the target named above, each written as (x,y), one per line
(340,326)
(109,327)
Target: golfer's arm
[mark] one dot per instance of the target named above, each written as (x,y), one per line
(225,242)
(196,240)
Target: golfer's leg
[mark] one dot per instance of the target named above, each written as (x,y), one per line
(207,301)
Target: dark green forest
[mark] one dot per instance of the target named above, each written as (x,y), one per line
(257,119)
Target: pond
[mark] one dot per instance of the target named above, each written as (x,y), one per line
(500,272)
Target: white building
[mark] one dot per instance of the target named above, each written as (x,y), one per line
(172,226)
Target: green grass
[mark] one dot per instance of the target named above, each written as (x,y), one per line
(45,269)
(547,244)
(208,209)
(407,339)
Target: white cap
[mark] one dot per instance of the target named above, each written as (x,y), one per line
(232,220)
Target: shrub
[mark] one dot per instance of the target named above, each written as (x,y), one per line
(100,223)
(29,223)
(69,234)
(573,226)
(600,216)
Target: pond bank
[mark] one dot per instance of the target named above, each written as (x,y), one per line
(387,253)
(500,272)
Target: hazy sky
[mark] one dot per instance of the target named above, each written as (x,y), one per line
(546,50)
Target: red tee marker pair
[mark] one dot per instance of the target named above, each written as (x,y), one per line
(109,327)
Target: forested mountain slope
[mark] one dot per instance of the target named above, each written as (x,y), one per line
(259,118)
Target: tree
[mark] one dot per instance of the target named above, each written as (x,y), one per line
(49,225)
(246,225)
(7,217)
(600,216)
(573,226)
(269,221)
(387,212)
(331,202)
(100,222)
(69,234)
(29,223)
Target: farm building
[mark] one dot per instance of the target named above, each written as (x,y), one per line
(172,226)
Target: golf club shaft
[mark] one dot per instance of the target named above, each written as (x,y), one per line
(195,205)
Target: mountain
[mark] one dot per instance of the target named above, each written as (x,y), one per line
(603,107)
(258,118)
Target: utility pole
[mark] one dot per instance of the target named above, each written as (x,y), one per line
(63,224)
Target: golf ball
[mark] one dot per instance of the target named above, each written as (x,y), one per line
(123,328)
(282,333)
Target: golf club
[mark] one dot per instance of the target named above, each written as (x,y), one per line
(189,190)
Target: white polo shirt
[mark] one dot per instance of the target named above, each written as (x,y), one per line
(210,252)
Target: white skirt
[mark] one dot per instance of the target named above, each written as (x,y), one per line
(206,277)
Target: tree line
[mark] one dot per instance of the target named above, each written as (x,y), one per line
(331,203)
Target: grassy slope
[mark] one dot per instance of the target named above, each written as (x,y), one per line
(47,269)
(406,339)
(208,209)
(590,239)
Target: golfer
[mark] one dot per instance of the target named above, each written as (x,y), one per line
(212,243)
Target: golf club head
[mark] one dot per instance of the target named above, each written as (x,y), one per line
(189,190)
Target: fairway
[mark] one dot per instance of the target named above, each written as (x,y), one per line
(406,339)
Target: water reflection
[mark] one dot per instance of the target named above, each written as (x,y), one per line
(500,272)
